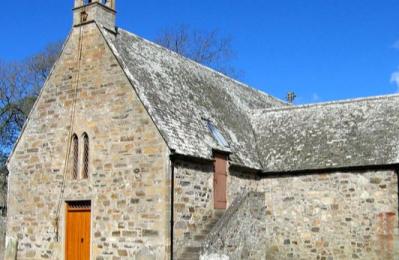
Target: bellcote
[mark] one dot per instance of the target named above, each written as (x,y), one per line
(100,11)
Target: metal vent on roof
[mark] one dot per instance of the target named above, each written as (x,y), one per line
(217,135)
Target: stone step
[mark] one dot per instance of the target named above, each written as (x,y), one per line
(192,249)
(200,237)
(219,213)
(207,229)
(189,257)
(205,232)
(193,244)
(209,226)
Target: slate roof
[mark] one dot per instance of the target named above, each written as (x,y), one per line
(263,132)
(361,132)
(179,94)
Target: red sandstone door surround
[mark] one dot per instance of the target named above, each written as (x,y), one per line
(220,181)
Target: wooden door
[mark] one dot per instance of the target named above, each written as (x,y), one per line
(220,181)
(78,231)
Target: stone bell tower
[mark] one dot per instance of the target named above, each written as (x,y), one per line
(100,11)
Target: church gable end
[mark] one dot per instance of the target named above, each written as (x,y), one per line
(89,96)
(134,152)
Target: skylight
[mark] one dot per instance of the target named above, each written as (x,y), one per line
(217,135)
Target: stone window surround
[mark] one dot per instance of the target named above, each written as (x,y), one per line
(83,172)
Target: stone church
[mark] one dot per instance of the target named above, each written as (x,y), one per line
(134,152)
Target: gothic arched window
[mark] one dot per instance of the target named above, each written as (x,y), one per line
(75,156)
(85,158)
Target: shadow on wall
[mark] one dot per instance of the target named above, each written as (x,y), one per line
(2,236)
(3,209)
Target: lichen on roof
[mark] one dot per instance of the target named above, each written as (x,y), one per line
(349,133)
(179,93)
(263,132)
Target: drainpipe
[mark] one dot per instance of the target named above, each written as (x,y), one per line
(172,202)
(397,191)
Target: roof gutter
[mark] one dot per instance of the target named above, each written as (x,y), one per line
(270,174)
(362,168)
(176,156)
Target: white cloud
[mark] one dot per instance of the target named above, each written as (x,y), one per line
(315,97)
(395,78)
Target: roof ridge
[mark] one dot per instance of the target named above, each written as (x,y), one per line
(204,66)
(330,103)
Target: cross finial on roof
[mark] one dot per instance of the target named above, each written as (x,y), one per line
(291,97)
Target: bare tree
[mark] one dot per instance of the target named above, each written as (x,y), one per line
(20,83)
(39,65)
(209,48)
(13,79)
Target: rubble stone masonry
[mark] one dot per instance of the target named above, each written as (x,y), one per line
(193,204)
(338,215)
(129,171)
(334,215)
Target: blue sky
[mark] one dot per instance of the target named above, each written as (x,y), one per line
(321,49)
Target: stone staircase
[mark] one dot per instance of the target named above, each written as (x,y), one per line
(193,250)
(240,232)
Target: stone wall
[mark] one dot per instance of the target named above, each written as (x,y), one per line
(193,204)
(238,233)
(335,215)
(129,171)
(328,216)
(332,216)
(240,182)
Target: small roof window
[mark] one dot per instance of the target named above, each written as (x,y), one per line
(217,135)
